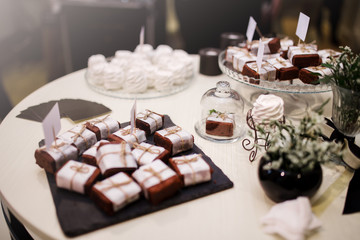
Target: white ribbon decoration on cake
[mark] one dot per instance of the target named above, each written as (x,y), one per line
(240,60)
(224,117)
(143,156)
(153,119)
(93,149)
(267,72)
(304,50)
(319,69)
(194,169)
(152,174)
(80,136)
(181,140)
(61,152)
(280,63)
(115,156)
(74,175)
(120,189)
(137,135)
(107,125)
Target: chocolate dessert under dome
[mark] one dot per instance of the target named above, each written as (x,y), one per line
(144,73)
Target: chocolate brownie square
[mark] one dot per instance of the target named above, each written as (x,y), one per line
(271,45)
(157,181)
(174,139)
(89,156)
(192,169)
(284,69)
(115,192)
(125,135)
(303,56)
(220,124)
(145,153)
(103,127)
(81,137)
(149,121)
(267,72)
(115,157)
(240,59)
(77,177)
(57,155)
(310,75)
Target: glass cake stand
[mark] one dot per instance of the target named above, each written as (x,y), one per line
(289,86)
(149,93)
(290,91)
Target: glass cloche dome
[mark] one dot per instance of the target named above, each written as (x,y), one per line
(222,115)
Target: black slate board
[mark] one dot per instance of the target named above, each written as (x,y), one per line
(77,213)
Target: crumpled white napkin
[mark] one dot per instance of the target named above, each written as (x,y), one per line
(291,219)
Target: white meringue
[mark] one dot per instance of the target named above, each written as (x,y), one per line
(113,77)
(267,107)
(145,49)
(163,80)
(96,59)
(136,81)
(122,54)
(96,73)
(150,74)
(162,48)
(180,53)
(178,69)
(119,62)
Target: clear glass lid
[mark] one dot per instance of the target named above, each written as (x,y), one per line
(221,116)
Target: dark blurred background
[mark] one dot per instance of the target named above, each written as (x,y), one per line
(41,40)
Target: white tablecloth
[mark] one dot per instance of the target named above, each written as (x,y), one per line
(231,214)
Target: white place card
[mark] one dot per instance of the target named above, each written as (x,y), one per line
(51,125)
(250,29)
(302,26)
(142,36)
(260,54)
(133,117)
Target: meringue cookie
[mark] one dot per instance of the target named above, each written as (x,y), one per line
(268,107)
(122,54)
(136,81)
(189,65)
(178,69)
(160,58)
(163,80)
(162,48)
(96,73)
(150,74)
(96,59)
(145,49)
(119,62)
(180,53)
(113,77)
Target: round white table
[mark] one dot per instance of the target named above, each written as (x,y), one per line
(231,214)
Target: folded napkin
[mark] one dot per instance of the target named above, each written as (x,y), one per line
(291,219)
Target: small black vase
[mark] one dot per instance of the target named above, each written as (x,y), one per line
(284,184)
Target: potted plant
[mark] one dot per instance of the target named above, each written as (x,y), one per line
(291,165)
(345,84)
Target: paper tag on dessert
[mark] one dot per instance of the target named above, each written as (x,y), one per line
(302,26)
(250,29)
(51,125)
(142,37)
(133,117)
(260,54)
